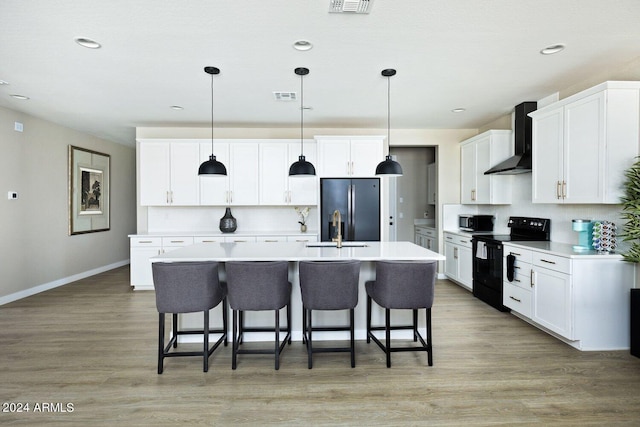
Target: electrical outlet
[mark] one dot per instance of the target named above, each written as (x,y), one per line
(12,195)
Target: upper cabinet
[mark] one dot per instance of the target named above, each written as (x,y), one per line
(583,144)
(348,156)
(477,155)
(276,186)
(240,186)
(168,174)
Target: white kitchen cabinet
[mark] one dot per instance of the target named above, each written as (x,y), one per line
(583,144)
(348,156)
(477,155)
(276,186)
(582,299)
(240,186)
(431,184)
(142,249)
(459,260)
(427,237)
(168,173)
(552,300)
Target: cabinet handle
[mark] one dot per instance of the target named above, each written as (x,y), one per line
(449,238)
(548,262)
(145,241)
(348,168)
(531,278)
(167,197)
(270,241)
(464,241)
(473,195)
(564,189)
(558,189)
(177,241)
(455,253)
(515,299)
(302,240)
(230,196)
(209,241)
(515,253)
(516,280)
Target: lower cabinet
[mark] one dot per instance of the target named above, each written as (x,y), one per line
(581,299)
(426,237)
(459,263)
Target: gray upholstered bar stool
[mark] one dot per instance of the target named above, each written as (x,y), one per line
(188,287)
(328,285)
(258,286)
(402,285)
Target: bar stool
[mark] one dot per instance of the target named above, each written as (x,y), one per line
(328,285)
(402,285)
(188,287)
(257,286)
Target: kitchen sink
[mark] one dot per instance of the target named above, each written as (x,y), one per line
(334,245)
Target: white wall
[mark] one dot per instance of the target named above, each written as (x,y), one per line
(36,251)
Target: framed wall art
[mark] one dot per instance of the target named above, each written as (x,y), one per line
(89,201)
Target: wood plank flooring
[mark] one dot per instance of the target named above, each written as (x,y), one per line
(92,344)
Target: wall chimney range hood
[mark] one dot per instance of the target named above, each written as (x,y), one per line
(521,161)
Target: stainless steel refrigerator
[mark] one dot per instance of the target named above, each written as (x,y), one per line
(358,200)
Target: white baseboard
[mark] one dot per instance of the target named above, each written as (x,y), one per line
(60,282)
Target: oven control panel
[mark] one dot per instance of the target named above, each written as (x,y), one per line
(526,223)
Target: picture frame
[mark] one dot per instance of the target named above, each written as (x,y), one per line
(89,177)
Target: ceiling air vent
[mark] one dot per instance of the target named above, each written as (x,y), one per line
(350,6)
(285,96)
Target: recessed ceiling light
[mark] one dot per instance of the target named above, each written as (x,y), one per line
(20,97)
(550,50)
(458,110)
(176,107)
(302,45)
(88,43)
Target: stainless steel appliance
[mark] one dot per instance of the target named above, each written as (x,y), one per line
(475,222)
(358,201)
(488,253)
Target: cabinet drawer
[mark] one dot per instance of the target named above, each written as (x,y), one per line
(552,262)
(177,241)
(458,240)
(517,299)
(146,241)
(522,255)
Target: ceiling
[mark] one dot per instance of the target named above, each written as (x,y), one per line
(479,55)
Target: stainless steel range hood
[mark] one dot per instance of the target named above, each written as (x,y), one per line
(521,161)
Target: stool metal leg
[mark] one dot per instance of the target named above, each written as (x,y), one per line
(160,342)
(175,329)
(234,342)
(368,319)
(387,320)
(277,339)
(353,343)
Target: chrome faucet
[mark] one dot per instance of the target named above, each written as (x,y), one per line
(337,222)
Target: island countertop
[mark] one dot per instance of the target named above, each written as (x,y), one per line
(300,251)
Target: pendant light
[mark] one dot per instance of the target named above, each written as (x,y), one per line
(388,166)
(212,166)
(302,167)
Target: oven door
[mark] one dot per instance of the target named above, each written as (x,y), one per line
(487,271)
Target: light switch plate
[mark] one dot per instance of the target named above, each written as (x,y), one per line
(12,195)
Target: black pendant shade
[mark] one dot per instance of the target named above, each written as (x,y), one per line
(388,166)
(302,167)
(212,166)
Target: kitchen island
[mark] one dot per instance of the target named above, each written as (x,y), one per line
(293,252)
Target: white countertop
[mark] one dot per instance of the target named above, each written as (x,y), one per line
(565,250)
(299,251)
(219,233)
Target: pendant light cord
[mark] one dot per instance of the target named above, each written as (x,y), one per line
(389,111)
(301,115)
(212,114)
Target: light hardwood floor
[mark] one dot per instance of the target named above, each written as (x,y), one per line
(92,343)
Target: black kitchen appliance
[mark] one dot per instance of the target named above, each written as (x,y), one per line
(358,200)
(475,222)
(488,253)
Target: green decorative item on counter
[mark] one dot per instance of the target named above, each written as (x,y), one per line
(631,212)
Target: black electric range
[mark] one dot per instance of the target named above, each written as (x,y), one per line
(488,253)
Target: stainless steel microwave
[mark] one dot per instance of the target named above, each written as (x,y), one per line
(476,222)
